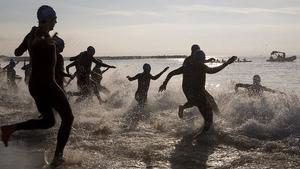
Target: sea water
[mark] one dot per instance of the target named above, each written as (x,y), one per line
(248,132)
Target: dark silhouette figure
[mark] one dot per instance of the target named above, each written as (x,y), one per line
(42,85)
(144,83)
(210,98)
(193,84)
(27,71)
(255,89)
(11,75)
(83,64)
(59,67)
(97,76)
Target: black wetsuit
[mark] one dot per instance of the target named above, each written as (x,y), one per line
(11,76)
(43,87)
(143,87)
(187,89)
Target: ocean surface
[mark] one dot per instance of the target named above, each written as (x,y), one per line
(248,133)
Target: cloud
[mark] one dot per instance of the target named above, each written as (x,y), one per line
(115,12)
(237,10)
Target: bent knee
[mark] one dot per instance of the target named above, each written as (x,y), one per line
(48,123)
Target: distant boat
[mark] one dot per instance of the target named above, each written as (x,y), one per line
(277,56)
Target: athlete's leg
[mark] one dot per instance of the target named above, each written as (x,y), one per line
(47,120)
(212,103)
(62,106)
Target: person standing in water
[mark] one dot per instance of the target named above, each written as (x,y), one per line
(255,89)
(42,85)
(193,84)
(11,75)
(144,83)
(83,63)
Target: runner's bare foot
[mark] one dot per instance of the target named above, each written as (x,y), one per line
(57,160)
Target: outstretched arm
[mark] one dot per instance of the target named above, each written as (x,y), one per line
(158,75)
(133,78)
(272,91)
(102,64)
(219,68)
(241,85)
(22,47)
(210,60)
(169,76)
(66,74)
(71,78)
(73,58)
(69,66)
(105,70)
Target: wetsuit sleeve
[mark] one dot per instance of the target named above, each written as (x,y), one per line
(105,70)
(246,86)
(268,89)
(134,78)
(215,69)
(173,73)
(158,75)
(22,47)
(209,60)
(70,65)
(73,58)
(101,64)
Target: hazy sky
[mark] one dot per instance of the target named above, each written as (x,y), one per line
(159,27)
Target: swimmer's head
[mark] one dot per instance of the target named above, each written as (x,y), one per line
(60,44)
(46,17)
(91,50)
(195,48)
(147,67)
(256,79)
(199,56)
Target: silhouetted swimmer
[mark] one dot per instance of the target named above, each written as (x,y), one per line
(27,72)
(255,89)
(11,75)
(97,76)
(144,83)
(59,67)
(196,48)
(193,84)
(83,63)
(42,86)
